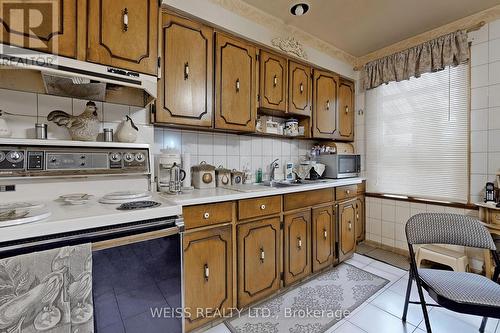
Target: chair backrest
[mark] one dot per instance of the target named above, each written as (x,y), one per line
(441,228)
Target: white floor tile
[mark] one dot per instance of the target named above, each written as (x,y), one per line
(394,303)
(355,263)
(221,328)
(445,321)
(373,319)
(361,258)
(381,273)
(336,326)
(400,288)
(349,328)
(388,268)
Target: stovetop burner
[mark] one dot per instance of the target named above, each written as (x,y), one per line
(138,205)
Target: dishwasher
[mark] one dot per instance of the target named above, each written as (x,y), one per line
(136,273)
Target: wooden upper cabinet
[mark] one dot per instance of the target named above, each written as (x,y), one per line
(297,234)
(273,81)
(235,90)
(300,89)
(323,234)
(186,84)
(207,272)
(347,220)
(124,34)
(55,33)
(326,87)
(346,111)
(259,253)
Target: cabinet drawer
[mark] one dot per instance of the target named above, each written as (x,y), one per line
(345,192)
(204,215)
(494,217)
(307,199)
(256,207)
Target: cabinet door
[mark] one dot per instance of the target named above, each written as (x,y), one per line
(185,88)
(360,224)
(273,81)
(297,234)
(55,33)
(346,111)
(323,233)
(124,34)
(300,89)
(347,239)
(325,104)
(235,92)
(259,253)
(207,272)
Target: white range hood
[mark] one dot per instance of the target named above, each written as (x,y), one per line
(28,70)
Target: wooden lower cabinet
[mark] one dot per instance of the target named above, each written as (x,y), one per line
(208,280)
(323,237)
(297,247)
(360,224)
(259,258)
(347,234)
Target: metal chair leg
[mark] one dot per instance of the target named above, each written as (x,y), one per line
(496,274)
(407,299)
(424,308)
(483,324)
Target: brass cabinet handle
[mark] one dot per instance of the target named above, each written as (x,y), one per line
(328,104)
(186,71)
(275,81)
(262,207)
(125,19)
(357,216)
(325,234)
(347,191)
(301,88)
(299,242)
(262,255)
(237,85)
(346,109)
(206,215)
(206,272)
(349,226)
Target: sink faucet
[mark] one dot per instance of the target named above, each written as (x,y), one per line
(273,166)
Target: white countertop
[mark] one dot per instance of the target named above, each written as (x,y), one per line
(66,218)
(206,196)
(490,205)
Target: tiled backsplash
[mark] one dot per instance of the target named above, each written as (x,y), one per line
(231,150)
(30,108)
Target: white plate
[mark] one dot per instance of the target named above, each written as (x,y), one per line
(105,200)
(124,195)
(33,216)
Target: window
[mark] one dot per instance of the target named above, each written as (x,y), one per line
(417,136)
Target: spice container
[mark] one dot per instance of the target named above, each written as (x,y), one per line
(203,175)
(222,176)
(41,131)
(291,127)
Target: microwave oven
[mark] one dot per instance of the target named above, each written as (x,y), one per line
(340,165)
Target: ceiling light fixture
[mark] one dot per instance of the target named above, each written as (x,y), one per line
(299,9)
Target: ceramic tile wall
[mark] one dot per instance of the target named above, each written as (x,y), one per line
(231,150)
(30,108)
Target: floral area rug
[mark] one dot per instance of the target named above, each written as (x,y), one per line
(312,307)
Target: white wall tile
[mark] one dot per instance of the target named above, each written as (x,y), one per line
(494,29)
(493,96)
(190,142)
(47,104)
(139,115)
(172,139)
(493,73)
(479,76)
(256,146)
(479,163)
(477,183)
(220,148)
(479,120)
(267,147)
(246,145)
(205,144)
(479,98)
(479,54)
(493,163)
(18,102)
(479,141)
(233,145)
(494,118)
(115,112)
(494,141)
(479,36)
(494,50)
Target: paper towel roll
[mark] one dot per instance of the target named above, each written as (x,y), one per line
(186,166)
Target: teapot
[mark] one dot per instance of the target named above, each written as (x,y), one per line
(127,131)
(5,131)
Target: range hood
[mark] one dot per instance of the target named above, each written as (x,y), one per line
(28,70)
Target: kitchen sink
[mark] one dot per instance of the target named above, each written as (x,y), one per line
(289,183)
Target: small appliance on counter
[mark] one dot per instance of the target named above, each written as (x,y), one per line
(164,162)
(203,175)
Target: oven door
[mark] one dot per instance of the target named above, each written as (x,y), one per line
(348,165)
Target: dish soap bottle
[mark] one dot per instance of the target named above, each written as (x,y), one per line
(258,176)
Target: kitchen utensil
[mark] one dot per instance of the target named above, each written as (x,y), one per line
(5,131)
(177,175)
(41,131)
(127,131)
(222,176)
(108,135)
(203,175)
(84,127)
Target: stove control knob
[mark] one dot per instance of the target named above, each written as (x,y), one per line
(2,156)
(115,157)
(128,157)
(139,157)
(15,156)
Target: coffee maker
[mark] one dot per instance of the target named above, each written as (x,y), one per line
(164,162)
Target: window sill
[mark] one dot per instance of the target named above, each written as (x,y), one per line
(422,200)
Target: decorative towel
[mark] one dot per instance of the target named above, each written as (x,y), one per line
(49,291)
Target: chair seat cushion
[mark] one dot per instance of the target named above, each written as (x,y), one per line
(462,287)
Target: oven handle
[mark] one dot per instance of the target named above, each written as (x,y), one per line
(115,242)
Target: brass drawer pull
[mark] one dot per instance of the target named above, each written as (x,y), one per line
(262,207)
(275,81)
(206,215)
(237,85)
(262,255)
(186,71)
(301,88)
(206,272)
(328,104)
(299,242)
(325,234)
(125,19)
(349,226)
(347,192)
(346,109)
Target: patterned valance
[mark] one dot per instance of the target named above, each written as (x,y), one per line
(431,56)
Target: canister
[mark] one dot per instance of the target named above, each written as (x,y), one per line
(222,176)
(203,175)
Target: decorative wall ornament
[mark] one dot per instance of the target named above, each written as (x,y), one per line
(290,45)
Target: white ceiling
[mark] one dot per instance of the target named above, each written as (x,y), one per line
(362,26)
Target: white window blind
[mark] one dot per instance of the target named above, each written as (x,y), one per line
(417,136)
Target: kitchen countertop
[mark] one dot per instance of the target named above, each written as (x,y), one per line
(489,205)
(206,196)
